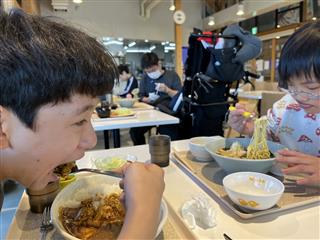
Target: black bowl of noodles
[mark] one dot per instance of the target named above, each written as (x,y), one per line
(240,162)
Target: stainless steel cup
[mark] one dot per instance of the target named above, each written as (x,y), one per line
(39,199)
(159,148)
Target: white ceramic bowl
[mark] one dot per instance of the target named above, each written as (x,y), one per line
(230,164)
(197,148)
(254,191)
(126,102)
(85,187)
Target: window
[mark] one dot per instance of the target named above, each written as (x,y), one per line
(267,21)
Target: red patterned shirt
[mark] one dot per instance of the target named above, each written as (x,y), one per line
(293,127)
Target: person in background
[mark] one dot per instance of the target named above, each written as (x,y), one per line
(48,93)
(155,83)
(131,81)
(294,120)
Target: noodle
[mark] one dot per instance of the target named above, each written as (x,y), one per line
(258,147)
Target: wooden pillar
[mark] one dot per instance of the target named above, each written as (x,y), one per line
(273,59)
(7,5)
(178,42)
(31,6)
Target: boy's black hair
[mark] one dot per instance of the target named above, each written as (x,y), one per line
(43,62)
(300,55)
(123,68)
(149,60)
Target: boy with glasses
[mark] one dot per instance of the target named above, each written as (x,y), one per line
(294,120)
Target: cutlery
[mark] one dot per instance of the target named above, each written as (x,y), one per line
(226,237)
(46,224)
(109,173)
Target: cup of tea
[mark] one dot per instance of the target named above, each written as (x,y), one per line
(159,149)
(39,199)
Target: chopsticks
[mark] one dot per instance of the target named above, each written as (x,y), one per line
(226,237)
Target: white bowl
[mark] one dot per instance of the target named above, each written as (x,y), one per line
(126,102)
(230,164)
(197,148)
(254,191)
(85,187)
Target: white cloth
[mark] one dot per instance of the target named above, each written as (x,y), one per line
(290,125)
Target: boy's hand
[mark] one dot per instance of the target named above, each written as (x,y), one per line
(238,122)
(301,163)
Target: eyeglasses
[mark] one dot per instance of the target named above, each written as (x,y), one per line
(303,94)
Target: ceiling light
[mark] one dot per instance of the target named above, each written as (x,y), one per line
(152,47)
(163,43)
(120,39)
(167,42)
(278,26)
(172,6)
(277,37)
(211,21)
(169,48)
(125,47)
(138,51)
(146,40)
(172,44)
(314,18)
(105,39)
(77,1)
(132,44)
(166,51)
(113,42)
(240,11)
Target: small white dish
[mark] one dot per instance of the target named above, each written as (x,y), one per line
(253,191)
(197,148)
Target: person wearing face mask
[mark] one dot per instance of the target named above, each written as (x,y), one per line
(131,81)
(156,83)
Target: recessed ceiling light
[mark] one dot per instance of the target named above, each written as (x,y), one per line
(240,11)
(172,6)
(132,44)
(77,1)
(211,21)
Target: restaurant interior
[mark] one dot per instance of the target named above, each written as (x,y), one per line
(216,185)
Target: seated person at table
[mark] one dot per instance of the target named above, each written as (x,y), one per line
(48,92)
(155,83)
(294,120)
(131,81)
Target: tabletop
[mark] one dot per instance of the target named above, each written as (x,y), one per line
(256,95)
(298,223)
(150,117)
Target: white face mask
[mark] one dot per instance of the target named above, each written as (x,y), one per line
(154,75)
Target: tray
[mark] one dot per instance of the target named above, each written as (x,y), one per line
(210,175)
(95,117)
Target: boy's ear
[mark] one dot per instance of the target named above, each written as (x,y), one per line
(4,118)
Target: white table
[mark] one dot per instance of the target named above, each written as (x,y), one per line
(142,118)
(255,95)
(299,223)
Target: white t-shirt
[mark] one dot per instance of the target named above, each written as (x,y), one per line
(290,125)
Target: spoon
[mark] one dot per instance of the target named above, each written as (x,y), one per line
(109,173)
